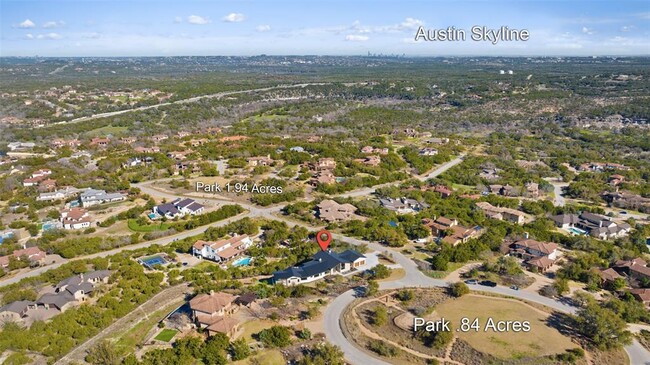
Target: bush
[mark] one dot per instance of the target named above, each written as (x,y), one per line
(459,289)
(382,348)
(276,336)
(379,316)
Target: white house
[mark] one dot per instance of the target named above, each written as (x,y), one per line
(222,250)
(323,264)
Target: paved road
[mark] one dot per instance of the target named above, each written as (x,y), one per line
(415,278)
(558,190)
(438,171)
(189,100)
(160,241)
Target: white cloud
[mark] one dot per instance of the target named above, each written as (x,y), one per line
(54,24)
(263,28)
(356,38)
(412,23)
(199,20)
(586,30)
(29,36)
(627,28)
(27,24)
(50,36)
(178,20)
(234,18)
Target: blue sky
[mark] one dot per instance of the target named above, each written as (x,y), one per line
(332,27)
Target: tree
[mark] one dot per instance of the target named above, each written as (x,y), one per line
(239,349)
(324,354)
(380,316)
(602,326)
(405,295)
(372,288)
(380,271)
(458,289)
(304,334)
(561,286)
(276,336)
(103,354)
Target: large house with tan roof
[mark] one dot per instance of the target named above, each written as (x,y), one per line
(222,250)
(211,311)
(331,211)
(539,255)
(636,268)
(499,213)
(449,231)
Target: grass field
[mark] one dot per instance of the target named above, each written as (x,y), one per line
(541,340)
(134,226)
(451,267)
(106,130)
(395,274)
(267,357)
(166,335)
(255,326)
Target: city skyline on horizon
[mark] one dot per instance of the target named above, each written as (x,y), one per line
(74,28)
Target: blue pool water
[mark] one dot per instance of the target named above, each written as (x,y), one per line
(244,261)
(576,231)
(152,216)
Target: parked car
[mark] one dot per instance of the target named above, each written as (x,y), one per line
(514,287)
(488,283)
(623,212)
(471,281)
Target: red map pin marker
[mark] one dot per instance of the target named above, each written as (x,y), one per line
(324,238)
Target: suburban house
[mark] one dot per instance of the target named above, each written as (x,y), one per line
(212,311)
(90,197)
(67,293)
(37,177)
(636,268)
(222,250)
(21,146)
(260,161)
(153,149)
(505,190)
(33,254)
(428,151)
(323,264)
(322,177)
(449,231)
(403,205)
(540,255)
(532,189)
(372,160)
(331,211)
(593,224)
(370,150)
(507,214)
(444,191)
(60,194)
(60,143)
(642,295)
(324,163)
(609,275)
(128,140)
(75,218)
(179,208)
(101,142)
(627,200)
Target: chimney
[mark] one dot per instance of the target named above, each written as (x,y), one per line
(211,292)
(526,235)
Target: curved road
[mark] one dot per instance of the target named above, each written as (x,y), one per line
(189,100)
(415,278)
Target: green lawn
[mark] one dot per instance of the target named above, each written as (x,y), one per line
(128,340)
(166,335)
(134,226)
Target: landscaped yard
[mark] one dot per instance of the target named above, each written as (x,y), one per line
(267,357)
(166,335)
(255,326)
(134,226)
(542,340)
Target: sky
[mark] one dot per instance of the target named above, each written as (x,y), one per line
(317,27)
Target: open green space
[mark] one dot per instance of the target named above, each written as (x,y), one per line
(135,226)
(166,335)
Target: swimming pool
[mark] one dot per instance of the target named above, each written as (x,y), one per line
(576,231)
(244,261)
(152,216)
